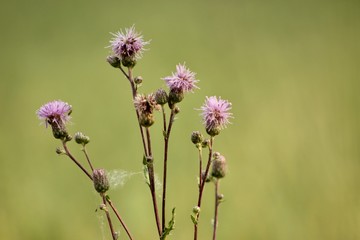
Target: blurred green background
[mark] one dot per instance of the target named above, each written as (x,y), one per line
(290,68)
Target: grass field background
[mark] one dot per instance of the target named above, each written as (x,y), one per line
(290,68)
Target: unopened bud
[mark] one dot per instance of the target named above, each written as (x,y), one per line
(60,151)
(80,138)
(101,182)
(196,137)
(176,110)
(196,209)
(161,96)
(205,143)
(220,197)
(219,166)
(113,61)
(138,80)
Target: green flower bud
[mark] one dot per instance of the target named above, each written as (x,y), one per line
(80,138)
(176,110)
(60,151)
(138,80)
(113,61)
(101,182)
(220,197)
(219,166)
(205,143)
(196,209)
(146,119)
(196,137)
(161,96)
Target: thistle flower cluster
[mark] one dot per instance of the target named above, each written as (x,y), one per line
(127,49)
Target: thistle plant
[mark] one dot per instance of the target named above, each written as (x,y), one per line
(127,48)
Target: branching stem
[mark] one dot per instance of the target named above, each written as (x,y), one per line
(202,185)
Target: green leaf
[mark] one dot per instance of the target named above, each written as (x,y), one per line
(193,219)
(164,134)
(170,227)
(144,160)
(146,175)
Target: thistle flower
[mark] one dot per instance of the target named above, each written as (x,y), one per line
(183,80)
(215,113)
(145,106)
(128,46)
(57,114)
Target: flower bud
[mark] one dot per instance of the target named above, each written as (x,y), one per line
(161,96)
(60,151)
(196,209)
(176,110)
(138,80)
(205,143)
(196,137)
(113,61)
(219,166)
(220,197)
(101,182)
(146,119)
(80,138)
(175,96)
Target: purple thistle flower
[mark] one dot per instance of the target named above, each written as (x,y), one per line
(55,112)
(183,80)
(215,113)
(128,45)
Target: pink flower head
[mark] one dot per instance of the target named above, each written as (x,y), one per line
(128,45)
(215,113)
(183,80)
(55,112)
(145,104)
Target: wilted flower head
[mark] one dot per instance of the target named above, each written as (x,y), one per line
(128,45)
(182,80)
(145,106)
(215,113)
(145,103)
(55,112)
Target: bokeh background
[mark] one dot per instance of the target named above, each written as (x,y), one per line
(290,68)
